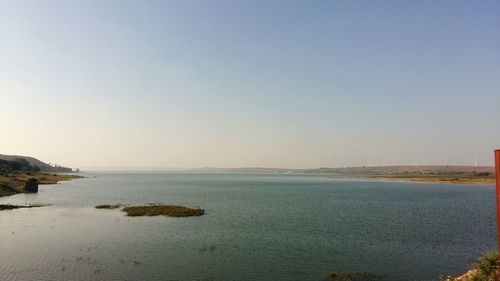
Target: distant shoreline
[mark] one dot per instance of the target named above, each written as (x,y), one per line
(428,173)
(437,179)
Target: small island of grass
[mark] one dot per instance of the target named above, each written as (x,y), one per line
(162,210)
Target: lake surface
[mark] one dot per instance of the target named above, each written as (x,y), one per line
(256,227)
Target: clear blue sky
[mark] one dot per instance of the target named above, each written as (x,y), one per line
(250,83)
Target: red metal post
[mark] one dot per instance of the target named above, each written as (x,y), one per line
(497,174)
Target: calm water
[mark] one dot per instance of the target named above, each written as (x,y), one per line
(256,227)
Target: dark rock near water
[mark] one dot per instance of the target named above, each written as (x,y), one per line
(31,186)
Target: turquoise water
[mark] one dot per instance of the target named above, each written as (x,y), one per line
(256,227)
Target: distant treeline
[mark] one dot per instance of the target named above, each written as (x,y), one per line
(22,165)
(7,167)
(59,169)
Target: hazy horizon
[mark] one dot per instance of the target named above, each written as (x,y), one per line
(285,84)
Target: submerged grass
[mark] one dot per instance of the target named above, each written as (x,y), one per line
(13,207)
(162,210)
(109,206)
(353,276)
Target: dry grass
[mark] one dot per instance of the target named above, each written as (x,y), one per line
(14,182)
(44,178)
(162,210)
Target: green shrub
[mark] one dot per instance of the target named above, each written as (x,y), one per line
(487,266)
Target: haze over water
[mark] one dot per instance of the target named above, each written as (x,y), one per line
(293,84)
(256,227)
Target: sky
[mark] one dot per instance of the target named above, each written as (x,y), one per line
(293,84)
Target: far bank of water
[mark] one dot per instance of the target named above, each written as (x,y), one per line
(256,227)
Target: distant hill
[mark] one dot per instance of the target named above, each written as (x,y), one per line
(44,167)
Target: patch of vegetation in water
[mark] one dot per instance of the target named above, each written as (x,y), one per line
(353,276)
(13,207)
(109,206)
(163,210)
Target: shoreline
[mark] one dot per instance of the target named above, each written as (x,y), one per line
(437,179)
(14,183)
